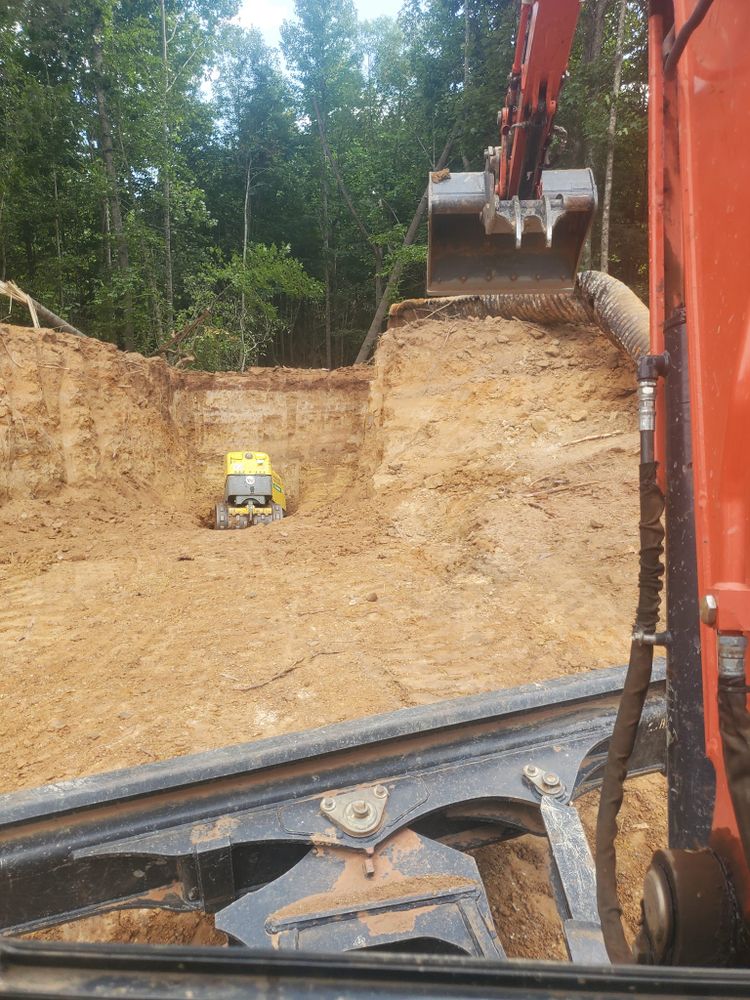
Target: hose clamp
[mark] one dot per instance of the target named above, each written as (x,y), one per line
(732,650)
(647,404)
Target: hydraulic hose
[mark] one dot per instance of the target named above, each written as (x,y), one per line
(598,298)
(630,708)
(700,10)
(734,726)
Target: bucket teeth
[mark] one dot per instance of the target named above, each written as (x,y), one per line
(480,244)
(521,217)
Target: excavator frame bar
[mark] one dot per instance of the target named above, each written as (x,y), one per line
(263,835)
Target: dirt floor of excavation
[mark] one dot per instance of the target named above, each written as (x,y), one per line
(464,518)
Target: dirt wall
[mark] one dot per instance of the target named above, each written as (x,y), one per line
(79,413)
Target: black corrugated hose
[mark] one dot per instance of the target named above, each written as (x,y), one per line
(616,310)
(734,725)
(629,712)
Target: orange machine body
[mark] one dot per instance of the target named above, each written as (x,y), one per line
(699,146)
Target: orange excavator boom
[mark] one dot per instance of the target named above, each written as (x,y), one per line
(516,226)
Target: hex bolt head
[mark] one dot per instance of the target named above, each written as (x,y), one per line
(531,771)
(328,804)
(380,792)
(360,808)
(551,779)
(709,610)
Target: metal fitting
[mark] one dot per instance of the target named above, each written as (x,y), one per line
(651,638)
(359,812)
(732,650)
(709,610)
(647,404)
(544,782)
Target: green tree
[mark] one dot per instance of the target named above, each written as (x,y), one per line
(251,301)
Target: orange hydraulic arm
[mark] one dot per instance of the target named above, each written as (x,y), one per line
(545,36)
(517,225)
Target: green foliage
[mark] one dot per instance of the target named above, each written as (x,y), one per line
(226,136)
(246,304)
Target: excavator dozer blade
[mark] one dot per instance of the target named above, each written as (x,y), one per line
(482,245)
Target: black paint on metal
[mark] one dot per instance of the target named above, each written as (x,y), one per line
(690,775)
(416,889)
(111,972)
(201,832)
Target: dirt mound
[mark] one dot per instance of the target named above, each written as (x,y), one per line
(465,519)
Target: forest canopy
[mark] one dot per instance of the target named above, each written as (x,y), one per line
(168,179)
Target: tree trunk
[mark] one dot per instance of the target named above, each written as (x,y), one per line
(2,237)
(395,275)
(166,187)
(466,45)
(609,171)
(595,34)
(245,235)
(107,235)
(246,212)
(328,154)
(378,274)
(58,242)
(107,151)
(322,131)
(327,266)
(593,43)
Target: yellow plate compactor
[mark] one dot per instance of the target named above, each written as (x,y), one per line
(253,492)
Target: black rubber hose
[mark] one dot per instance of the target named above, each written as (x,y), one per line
(629,712)
(547,307)
(734,726)
(700,10)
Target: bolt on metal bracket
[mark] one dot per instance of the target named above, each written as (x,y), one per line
(709,610)
(547,783)
(358,813)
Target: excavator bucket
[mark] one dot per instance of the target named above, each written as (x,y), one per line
(482,245)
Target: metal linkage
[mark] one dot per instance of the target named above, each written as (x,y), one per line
(574,883)
(341,838)
(409,887)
